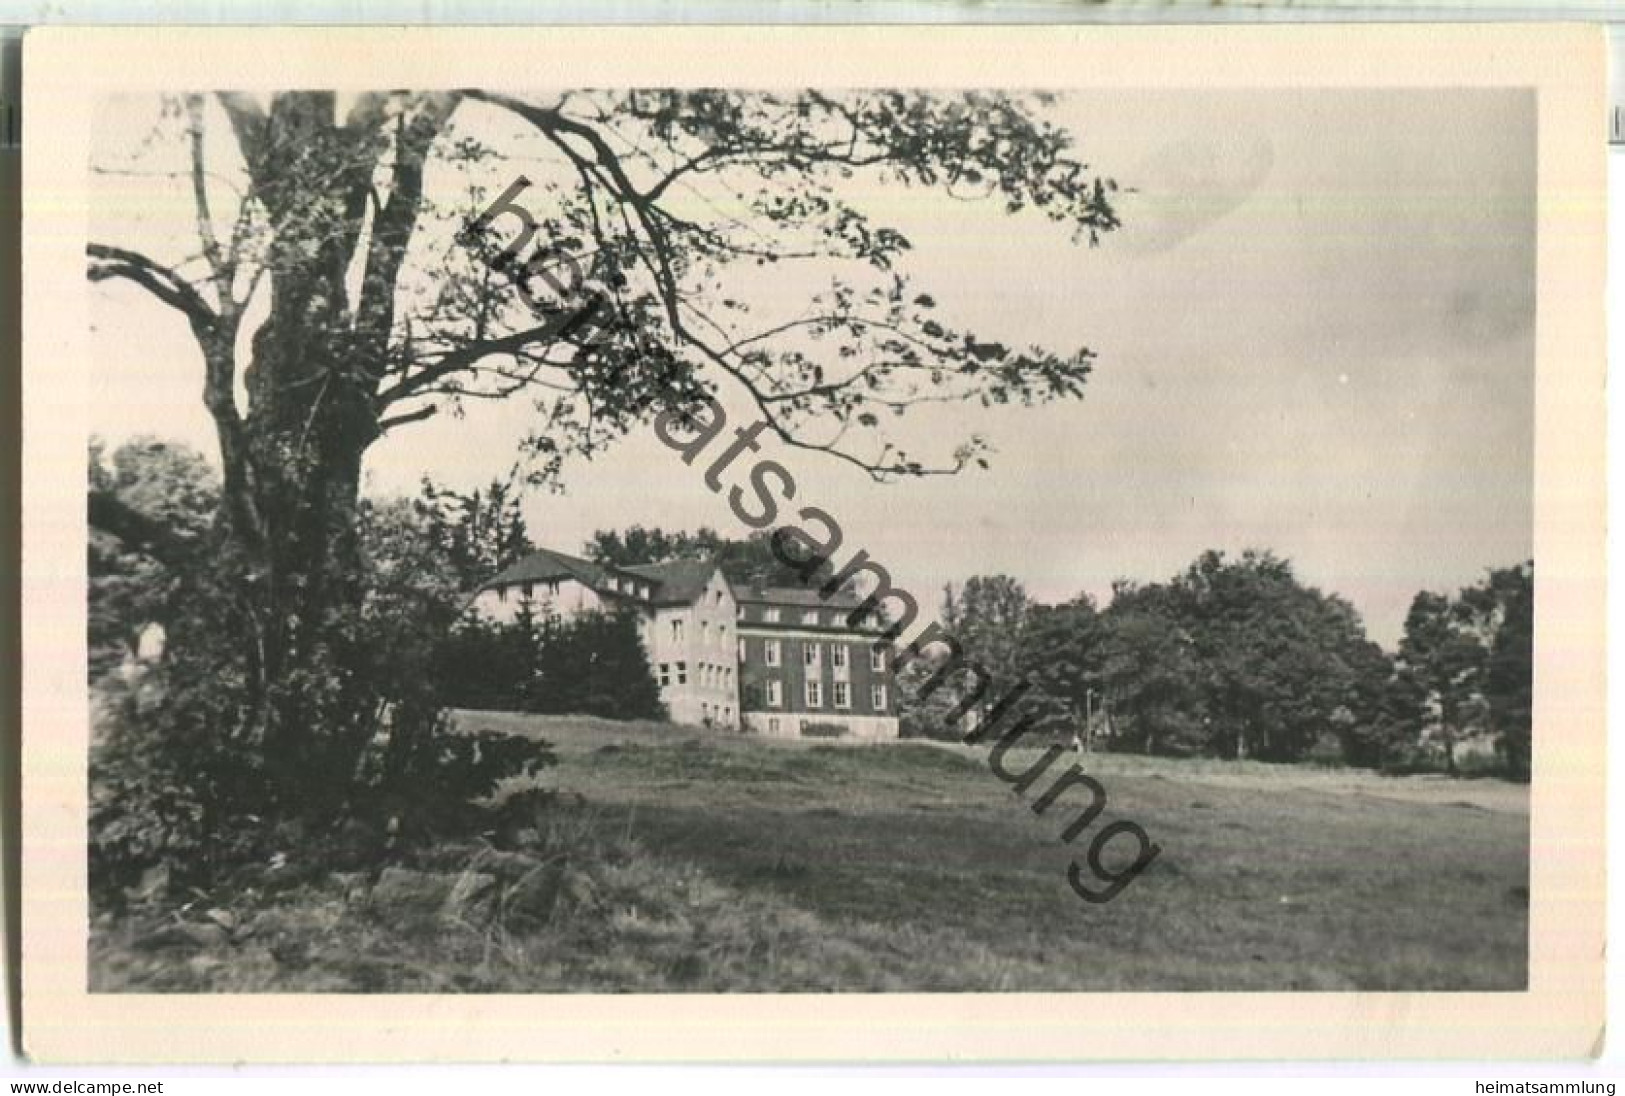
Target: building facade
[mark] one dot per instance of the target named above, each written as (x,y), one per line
(804,670)
(686,617)
(773,661)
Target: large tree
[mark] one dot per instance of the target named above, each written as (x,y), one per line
(319,274)
(1466,664)
(1062,652)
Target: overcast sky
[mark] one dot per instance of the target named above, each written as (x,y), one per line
(1315,335)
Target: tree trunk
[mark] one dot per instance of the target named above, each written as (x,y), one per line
(293,475)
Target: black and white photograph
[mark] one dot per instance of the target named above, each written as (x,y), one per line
(781,536)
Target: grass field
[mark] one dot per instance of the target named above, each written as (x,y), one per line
(720,862)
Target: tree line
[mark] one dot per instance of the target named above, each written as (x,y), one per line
(1233,657)
(1236,657)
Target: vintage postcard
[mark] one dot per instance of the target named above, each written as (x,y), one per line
(842,543)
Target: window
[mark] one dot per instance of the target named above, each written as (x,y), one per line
(705,633)
(815,695)
(775,694)
(665,674)
(770,651)
(552,586)
(502,593)
(877,660)
(843,695)
(811,654)
(682,673)
(716,598)
(877,697)
(771,615)
(722,636)
(837,656)
(772,726)
(530,590)
(727,713)
(677,630)
(810,616)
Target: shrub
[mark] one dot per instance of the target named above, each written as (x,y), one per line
(824,730)
(594,664)
(1408,758)
(1326,752)
(168,789)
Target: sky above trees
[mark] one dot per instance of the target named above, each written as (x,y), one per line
(1315,335)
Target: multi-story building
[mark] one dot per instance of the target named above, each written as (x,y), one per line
(803,665)
(777,661)
(686,614)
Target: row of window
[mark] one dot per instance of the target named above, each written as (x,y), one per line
(773,695)
(710,674)
(812,654)
(679,630)
(629,586)
(528,590)
(709,711)
(772,614)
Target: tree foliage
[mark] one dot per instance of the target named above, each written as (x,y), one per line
(319,272)
(592,664)
(1236,657)
(1466,665)
(150,509)
(178,780)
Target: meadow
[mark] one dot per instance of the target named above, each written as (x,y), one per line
(675,860)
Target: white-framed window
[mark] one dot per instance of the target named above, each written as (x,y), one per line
(771,615)
(665,674)
(877,697)
(770,651)
(682,673)
(812,654)
(877,660)
(810,616)
(837,655)
(815,695)
(775,694)
(677,630)
(843,695)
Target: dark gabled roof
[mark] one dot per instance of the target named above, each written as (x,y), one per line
(544,564)
(796,596)
(678,581)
